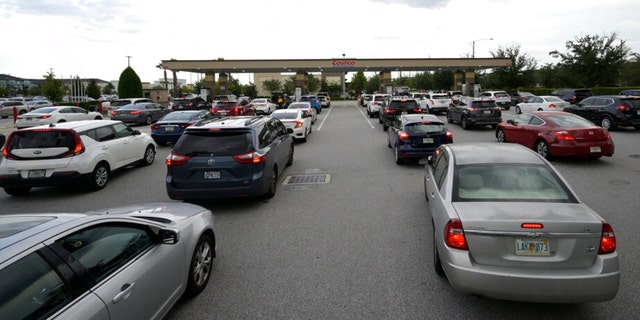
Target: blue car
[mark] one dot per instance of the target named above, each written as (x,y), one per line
(170,127)
(416,136)
(315,102)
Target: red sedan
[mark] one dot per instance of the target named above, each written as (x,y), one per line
(231,108)
(557,134)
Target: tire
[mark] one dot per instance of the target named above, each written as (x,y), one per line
(304,139)
(388,142)
(99,177)
(463,123)
(500,136)
(437,263)
(518,111)
(398,159)
(542,148)
(273,185)
(607,123)
(148,120)
(97,118)
(200,266)
(290,159)
(17,191)
(149,156)
(22,111)
(62,120)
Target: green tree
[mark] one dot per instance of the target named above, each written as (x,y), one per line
(129,84)
(594,60)
(358,82)
(442,80)
(272,85)
(423,81)
(4,92)
(334,88)
(373,84)
(289,86)
(108,88)
(630,75)
(52,88)
(251,90)
(93,90)
(313,83)
(519,74)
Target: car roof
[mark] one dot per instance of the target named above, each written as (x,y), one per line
(493,153)
(238,122)
(407,118)
(76,125)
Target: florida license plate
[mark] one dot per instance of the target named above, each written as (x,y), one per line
(532,247)
(208,175)
(595,149)
(168,129)
(427,140)
(36,174)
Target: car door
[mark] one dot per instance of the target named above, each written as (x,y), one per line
(531,105)
(516,130)
(133,144)
(585,108)
(392,133)
(124,264)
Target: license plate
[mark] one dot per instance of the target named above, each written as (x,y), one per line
(487,111)
(28,119)
(532,247)
(223,113)
(36,174)
(168,129)
(211,175)
(427,140)
(595,149)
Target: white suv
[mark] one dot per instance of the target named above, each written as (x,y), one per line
(502,98)
(373,105)
(70,152)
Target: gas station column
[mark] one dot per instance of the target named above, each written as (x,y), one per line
(458,78)
(223,79)
(209,82)
(385,80)
(301,81)
(470,79)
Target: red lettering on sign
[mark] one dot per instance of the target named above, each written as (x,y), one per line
(343,62)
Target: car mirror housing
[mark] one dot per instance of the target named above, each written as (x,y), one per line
(168,236)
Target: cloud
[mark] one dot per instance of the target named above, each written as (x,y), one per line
(416,3)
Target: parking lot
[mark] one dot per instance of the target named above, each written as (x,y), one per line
(354,240)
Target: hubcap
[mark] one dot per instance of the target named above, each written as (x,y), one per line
(202,264)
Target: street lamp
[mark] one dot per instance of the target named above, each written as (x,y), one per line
(473,46)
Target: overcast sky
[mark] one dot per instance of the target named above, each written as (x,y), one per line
(92,38)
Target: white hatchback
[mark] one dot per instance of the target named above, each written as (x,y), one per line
(71,152)
(297,120)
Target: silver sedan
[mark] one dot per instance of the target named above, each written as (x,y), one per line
(130,262)
(507,225)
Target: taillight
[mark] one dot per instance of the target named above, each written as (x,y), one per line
(564,135)
(185,125)
(417,110)
(622,108)
(454,235)
(432,102)
(531,225)
(175,159)
(552,106)
(250,157)
(298,124)
(449,135)
(390,111)
(154,127)
(113,113)
(136,112)
(607,240)
(403,135)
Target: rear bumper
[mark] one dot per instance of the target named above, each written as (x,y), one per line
(483,121)
(582,149)
(57,178)
(599,282)
(256,187)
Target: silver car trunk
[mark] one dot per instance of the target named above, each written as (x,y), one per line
(569,235)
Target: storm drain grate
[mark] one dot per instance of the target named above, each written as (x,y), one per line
(307,179)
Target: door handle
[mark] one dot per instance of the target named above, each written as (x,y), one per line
(125,291)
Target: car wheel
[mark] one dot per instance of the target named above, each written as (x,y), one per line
(437,263)
(149,156)
(99,177)
(399,160)
(543,149)
(518,111)
(22,112)
(97,118)
(290,159)
(62,120)
(500,135)
(273,184)
(463,123)
(201,265)
(17,191)
(148,120)
(607,123)
(304,139)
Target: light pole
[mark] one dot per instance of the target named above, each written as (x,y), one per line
(343,80)
(473,46)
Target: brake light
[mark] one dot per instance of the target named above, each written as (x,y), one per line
(417,110)
(564,135)
(607,240)
(298,124)
(175,159)
(113,113)
(135,112)
(531,225)
(622,108)
(403,135)
(390,111)
(185,125)
(449,134)
(250,157)
(552,106)
(154,127)
(454,235)
(374,102)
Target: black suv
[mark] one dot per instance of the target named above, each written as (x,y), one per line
(572,96)
(228,158)
(609,112)
(196,103)
(470,111)
(396,106)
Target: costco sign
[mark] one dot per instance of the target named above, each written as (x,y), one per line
(343,63)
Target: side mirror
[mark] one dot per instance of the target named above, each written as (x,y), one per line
(168,236)
(511,121)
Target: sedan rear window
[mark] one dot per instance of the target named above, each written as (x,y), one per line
(483,104)
(418,127)
(509,183)
(41,140)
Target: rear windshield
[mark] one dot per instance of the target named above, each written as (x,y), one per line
(42,139)
(420,127)
(225,104)
(501,94)
(633,103)
(379,98)
(118,103)
(285,115)
(483,104)
(213,144)
(403,104)
(440,96)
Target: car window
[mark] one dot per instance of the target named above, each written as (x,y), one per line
(441,168)
(536,121)
(483,104)
(514,183)
(122,130)
(265,136)
(31,289)
(42,139)
(524,118)
(103,249)
(421,128)
(213,143)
